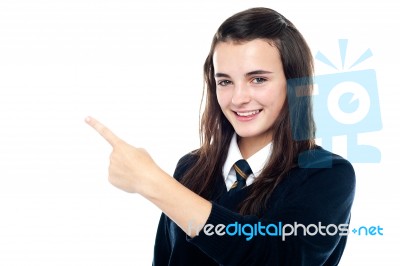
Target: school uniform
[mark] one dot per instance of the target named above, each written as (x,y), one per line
(315,196)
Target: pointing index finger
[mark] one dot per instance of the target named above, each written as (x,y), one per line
(102,130)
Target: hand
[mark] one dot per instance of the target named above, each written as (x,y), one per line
(130,168)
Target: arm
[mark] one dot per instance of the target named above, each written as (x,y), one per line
(178,202)
(326,196)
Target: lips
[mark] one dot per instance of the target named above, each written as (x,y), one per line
(244,116)
(247,113)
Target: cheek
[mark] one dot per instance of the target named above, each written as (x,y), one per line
(223,98)
(273,99)
(279,103)
(280,98)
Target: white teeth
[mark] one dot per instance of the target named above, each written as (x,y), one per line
(248,113)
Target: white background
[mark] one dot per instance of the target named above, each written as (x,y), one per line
(137,67)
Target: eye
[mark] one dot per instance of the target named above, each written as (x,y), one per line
(259,80)
(224,83)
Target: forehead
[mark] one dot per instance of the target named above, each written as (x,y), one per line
(257,53)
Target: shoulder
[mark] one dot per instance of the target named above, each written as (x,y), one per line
(323,180)
(319,158)
(327,167)
(185,163)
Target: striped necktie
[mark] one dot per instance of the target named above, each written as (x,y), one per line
(243,170)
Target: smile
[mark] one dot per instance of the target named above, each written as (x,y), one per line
(248,113)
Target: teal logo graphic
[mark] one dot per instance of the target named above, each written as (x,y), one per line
(345,103)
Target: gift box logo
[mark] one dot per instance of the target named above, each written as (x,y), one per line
(345,103)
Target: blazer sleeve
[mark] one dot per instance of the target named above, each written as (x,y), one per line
(323,198)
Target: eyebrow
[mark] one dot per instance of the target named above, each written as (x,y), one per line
(255,72)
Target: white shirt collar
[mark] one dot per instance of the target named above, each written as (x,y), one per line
(257,161)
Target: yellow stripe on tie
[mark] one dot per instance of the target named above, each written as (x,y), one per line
(239,171)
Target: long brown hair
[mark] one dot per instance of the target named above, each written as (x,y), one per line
(216,131)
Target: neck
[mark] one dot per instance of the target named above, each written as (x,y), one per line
(251,145)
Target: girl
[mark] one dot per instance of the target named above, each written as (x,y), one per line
(258,191)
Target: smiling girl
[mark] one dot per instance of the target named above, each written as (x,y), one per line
(250,168)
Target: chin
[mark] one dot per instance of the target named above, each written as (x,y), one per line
(243,133)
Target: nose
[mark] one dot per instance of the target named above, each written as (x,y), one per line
(241,95)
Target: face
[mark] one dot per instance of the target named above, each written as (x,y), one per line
(251,87)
